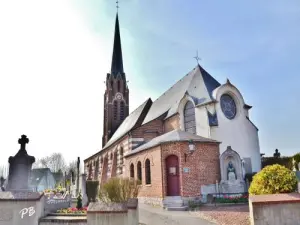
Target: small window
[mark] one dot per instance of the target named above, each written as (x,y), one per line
(111,84)
(115,110)
(148,171)
(119,85)
(131,170)
(139,171)
(121,110)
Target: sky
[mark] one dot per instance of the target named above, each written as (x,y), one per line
(54,57)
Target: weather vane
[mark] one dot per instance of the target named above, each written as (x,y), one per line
(117,5)
(197,58)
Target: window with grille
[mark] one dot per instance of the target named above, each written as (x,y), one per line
(131,170)
(122,106)
(189,118)
(139,171)
(148,171)
(115,110)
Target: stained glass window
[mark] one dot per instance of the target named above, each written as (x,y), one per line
(139,171)
(148,171)
(189,118)
(228,106)
(131,170)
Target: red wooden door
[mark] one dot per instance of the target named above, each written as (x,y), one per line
(172,171)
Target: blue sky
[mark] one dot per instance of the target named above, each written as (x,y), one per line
(253,43)
(55,55)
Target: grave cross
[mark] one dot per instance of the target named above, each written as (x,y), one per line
(23,141)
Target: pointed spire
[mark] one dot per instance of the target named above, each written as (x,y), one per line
(117,59)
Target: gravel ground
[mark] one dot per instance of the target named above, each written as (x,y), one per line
(225,215)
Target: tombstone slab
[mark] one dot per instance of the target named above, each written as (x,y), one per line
(20,168)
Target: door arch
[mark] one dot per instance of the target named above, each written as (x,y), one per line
(172,173)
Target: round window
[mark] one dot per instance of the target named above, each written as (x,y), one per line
(228,106)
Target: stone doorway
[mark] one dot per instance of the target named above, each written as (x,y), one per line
(172,173)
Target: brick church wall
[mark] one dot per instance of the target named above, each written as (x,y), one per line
(171,123)
(154,155)
(149,130)
(203,164)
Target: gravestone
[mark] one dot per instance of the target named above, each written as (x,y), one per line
(232,172)
(20,168)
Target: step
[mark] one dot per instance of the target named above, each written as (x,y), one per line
(181,208)
(65,220)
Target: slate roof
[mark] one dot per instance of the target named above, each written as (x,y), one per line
(132,121)
(172,136)
(37,175)
(117,59)
(198,83)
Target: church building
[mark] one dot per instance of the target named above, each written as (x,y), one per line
(196,138)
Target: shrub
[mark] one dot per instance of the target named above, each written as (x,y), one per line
(92,189)
(296,158)
(273,179)
(284,161)
(79,201)
(119,190)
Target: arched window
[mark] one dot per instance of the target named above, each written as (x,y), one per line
(119,85)
(139,171)
(121,110)
(131,170)
(115,110)
(111,84)
(121,155)
(96,172)
(148,171)
(189,118)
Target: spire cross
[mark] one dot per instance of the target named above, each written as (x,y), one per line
(117,5)
(197,58)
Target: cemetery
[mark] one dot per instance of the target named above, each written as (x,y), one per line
(19,205)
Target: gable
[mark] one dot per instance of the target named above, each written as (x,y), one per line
(198,84)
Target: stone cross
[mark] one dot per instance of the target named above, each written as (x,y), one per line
(23,141)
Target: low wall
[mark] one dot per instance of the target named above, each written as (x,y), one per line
(113,213)
(21,208)
(275,209)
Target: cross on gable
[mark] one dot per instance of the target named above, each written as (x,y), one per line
(197,58)
(23,141)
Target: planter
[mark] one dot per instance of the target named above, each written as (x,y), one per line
(92,190)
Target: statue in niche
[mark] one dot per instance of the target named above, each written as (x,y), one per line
(231,172)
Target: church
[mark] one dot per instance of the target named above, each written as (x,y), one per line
(197,138)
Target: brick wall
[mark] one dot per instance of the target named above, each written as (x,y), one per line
(154,155)
(171,123)
(203,164)
(153,126)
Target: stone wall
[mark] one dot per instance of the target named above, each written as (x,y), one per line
(22,211)
(275,209)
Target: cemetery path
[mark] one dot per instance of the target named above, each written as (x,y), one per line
(150,215)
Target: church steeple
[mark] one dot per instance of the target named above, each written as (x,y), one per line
(116,96)
(117,59)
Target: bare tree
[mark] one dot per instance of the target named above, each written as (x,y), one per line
(3,171)
(54,162)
